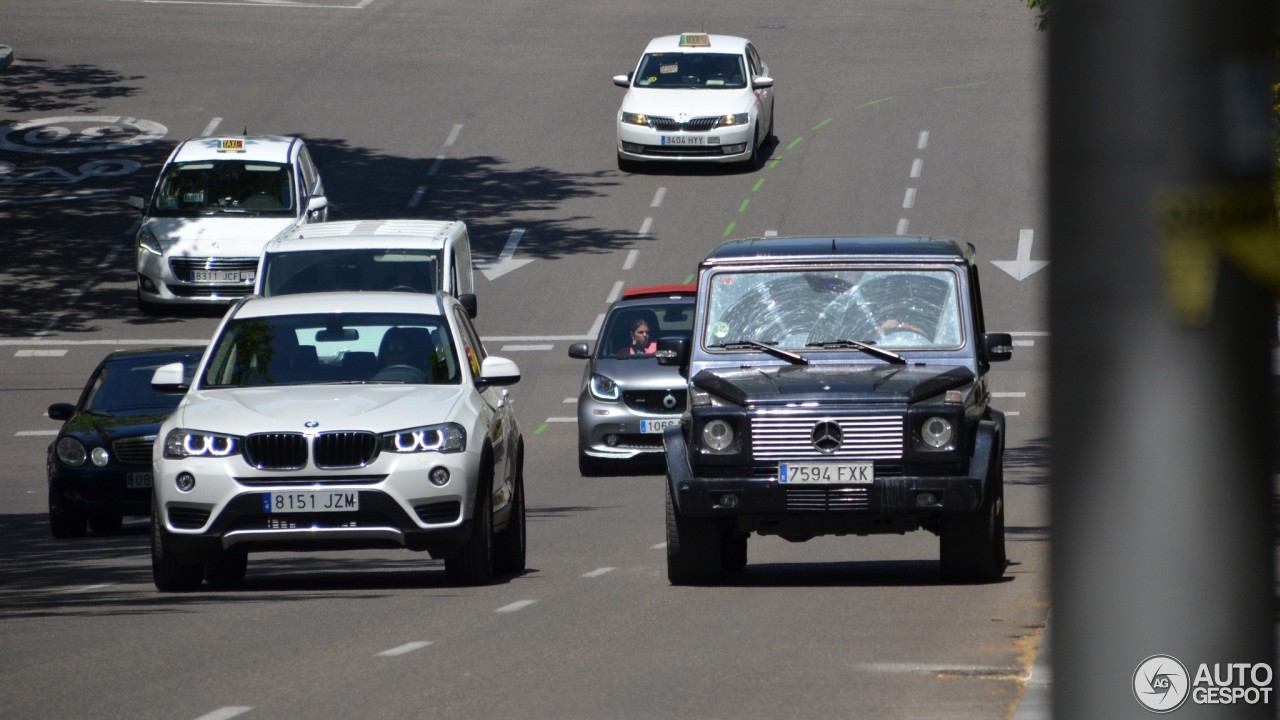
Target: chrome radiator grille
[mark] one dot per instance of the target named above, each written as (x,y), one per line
(134,450)
(698,124)
(345,449)
(276,451)
(789,437)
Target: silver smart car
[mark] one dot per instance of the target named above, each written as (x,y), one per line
(627,399)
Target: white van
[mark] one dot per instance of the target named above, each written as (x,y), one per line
(424,256)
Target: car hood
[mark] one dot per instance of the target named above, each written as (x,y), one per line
(223,235)
(108,428)
(788,384)
(694,103)
(640,373)
(375,408)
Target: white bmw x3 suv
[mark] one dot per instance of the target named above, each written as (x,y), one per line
(339,421)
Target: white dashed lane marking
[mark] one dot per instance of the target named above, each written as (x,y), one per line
(598,572)
(515,606)
(404,649)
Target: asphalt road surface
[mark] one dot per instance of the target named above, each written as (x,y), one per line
(920,117)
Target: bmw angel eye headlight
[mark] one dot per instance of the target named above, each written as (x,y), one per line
(446,438)
(734,119)
(936,432)
(71,452)
(147,241)
(630,118)
(604,388)
(182,443)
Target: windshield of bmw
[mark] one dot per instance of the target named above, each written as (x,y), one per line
(210,187)
(633,330)
(123,388)
(691,70)
(333,348)
(908,308)
(304,271)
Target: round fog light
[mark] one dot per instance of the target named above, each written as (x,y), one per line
(185,481)
(99,456)
(439,476)
(926,499)
(728,501)
(611,440)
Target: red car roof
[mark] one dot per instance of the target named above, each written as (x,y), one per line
(659,290)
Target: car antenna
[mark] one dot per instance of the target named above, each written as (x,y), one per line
(833,246)
(246,130)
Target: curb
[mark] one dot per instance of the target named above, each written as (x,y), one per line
(1037,698)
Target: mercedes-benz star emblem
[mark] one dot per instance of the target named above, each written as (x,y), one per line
(669,402)
(826,436)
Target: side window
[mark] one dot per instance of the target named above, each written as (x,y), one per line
(753,58)
(471,345)
(310,178)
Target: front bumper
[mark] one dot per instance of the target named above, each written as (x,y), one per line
(157,283)
(722,145)
(614,431)
(87,491)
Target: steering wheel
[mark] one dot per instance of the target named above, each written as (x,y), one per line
(399,373)
(403,288)
(894,327)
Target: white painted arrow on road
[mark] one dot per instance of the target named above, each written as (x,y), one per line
(506,261)
(1024,266)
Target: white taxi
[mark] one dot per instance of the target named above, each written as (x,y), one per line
(695,97)
(217,202)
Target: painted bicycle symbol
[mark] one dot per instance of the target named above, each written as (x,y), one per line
(12,175)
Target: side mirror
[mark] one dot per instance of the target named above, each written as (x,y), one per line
(762,82)
(995,347)
(138,202)
(579,351)
(61,411)
(673,351)
(498,371)
(170,378)
(315,203)
(622,80)
(468,302)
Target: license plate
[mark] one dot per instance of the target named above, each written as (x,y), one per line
(220,276)
(309,502)
(657,426)
(690,140)
(137,480)
(826,473)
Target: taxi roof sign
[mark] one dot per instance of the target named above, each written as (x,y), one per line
(230,145)
(695,40)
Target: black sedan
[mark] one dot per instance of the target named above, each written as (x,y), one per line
(99,466)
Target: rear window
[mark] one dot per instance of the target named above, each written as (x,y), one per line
(307,271)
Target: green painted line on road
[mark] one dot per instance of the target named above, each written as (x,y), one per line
(873,102)
(743,207)
(796,142)
(541,427)
(756,187)
(729,229)
(821,124)
(688,278)
(774,162)
(966,86)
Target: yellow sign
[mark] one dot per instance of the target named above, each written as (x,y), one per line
(695,40)
(1199,228)
(231,145)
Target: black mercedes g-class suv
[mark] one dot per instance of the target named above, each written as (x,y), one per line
(837,386)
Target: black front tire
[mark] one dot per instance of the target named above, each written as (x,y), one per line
(66,524)
(972,547)
(510,549)
(694,547)
(472,564)
(170,573)
(733,555)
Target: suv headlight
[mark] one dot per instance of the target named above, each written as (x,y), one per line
(443,438)
(182,443)
(630,118)
(604,388)
(936,432)
(147,241)
(735,120)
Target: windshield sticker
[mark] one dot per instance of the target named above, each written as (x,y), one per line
(668,69)
(720,330)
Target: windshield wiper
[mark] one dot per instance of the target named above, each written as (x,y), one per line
(765,347)
(868,348)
